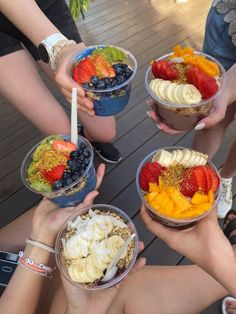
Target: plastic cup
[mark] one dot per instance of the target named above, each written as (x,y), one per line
(110,101)
(181,116)
(74,193)
(167,220)
(59,247)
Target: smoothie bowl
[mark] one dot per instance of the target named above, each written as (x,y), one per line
(183,85)
(178,186)
(60,170)
(106,74)
(89,241)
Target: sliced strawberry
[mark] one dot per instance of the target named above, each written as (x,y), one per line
(80,75)
(55,174)
(206,84)
(208,177)
(103,68)
(88,63)
(215,180)
(63,146)
(149,174)
(201,178)
(189,185)
(159,69)
(171,72)
(192,75)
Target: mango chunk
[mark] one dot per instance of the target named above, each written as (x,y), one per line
(153,187)
(199,198)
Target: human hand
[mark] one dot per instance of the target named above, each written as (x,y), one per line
(162,126)
(66,82)
(48,218)
(203,244)
(90,302)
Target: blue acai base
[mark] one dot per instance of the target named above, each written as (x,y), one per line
(113,100)
(70,199)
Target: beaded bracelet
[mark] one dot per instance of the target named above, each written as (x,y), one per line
(31,265)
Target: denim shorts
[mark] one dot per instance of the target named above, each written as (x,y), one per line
(217,42)
(12,39)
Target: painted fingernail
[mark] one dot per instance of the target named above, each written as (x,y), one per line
(158,126)
(200,126)
(148,114)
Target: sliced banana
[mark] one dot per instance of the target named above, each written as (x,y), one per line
(163,157)
(169,91)
(161,88)
(185,158)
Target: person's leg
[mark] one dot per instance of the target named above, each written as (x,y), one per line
(208,141)
(167,290)
(23,87)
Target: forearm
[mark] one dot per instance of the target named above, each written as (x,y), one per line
(28,17)
(25,286)
(230,84)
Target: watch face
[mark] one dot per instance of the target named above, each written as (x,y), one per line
(43,53)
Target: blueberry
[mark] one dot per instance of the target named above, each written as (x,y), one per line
(94,80)
(69,181)
(75,176)
(113,82)
(81,158)
(107,81)
(128,72)
(66,175)
(115,66)
(101,84)
(119,71)
(120,79)
(123,65)
(57,185)
(86,85)
(75,154)
(86,153)
(81,147)
(86,161)
(72,164)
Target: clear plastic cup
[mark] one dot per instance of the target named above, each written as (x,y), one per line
(110,101)
(74,193)
(167,220)
(59,247)
(181,116)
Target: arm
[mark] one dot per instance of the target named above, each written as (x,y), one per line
(204,244)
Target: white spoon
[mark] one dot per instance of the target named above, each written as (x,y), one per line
(112,268)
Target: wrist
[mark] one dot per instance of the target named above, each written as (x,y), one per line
(43,237)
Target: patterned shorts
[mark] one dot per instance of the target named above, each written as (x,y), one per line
(217,42)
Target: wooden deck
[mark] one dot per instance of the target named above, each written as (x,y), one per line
(148,29)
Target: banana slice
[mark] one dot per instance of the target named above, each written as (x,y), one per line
(177,94)
(179,156)
(185,158)
(161,88)
(163,157)
(173,159)
(169,92)
(191,161)
(154,86)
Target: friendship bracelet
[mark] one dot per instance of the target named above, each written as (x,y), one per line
(29,264)
(40,245)
(57,49)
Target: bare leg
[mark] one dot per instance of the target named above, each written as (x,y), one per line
(208,141)
(100,129)
(229,168)
(167,290)
(23,87)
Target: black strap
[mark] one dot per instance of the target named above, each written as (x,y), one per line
(230,227)
(232,239)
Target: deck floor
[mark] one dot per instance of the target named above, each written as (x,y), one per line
(148,29)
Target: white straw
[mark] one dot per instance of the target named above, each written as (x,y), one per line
(74,122)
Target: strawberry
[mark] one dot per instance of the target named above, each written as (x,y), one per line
(206,84)
(208,178)
(164,70)
(103,67)
(63,146)
(215,180)
(149,174)
(194,179)
(54,174)
(80,75)
(88,66)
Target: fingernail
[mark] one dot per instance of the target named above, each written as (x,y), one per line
(200,126)
(148,114)
(158,126)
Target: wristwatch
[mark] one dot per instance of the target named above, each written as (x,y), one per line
(50,47)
